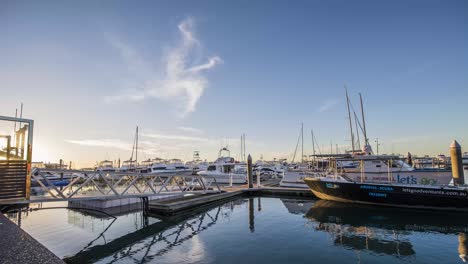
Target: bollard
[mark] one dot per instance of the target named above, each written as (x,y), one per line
(457,166)
(249,171)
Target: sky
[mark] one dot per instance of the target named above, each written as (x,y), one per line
(196,75)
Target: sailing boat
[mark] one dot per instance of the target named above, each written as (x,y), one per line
(379,168)
(380,182)
(294,175)
(130,165)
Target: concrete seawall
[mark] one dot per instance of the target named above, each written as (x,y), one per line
(17,246)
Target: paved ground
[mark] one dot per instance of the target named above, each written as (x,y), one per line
(16,246)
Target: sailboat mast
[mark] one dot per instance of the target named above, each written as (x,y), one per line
(350,122)
(363,121)
(302,141)
(136,147)
(357,131)
(244,146)
(313,142)
(242,149)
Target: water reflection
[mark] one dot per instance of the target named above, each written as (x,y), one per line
(164,237)
(229,231)
(251,215)
(384,230)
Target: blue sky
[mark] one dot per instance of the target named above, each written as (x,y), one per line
(195,75)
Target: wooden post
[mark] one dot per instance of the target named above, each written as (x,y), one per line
(249,171)
(60,168)
(8,148)
(457,166)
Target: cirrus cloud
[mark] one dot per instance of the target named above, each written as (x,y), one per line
(181,82)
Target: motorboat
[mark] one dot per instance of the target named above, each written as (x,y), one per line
(105,166)
(225,170)
(127,166)
(167,168)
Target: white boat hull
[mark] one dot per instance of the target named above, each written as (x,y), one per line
(295,179)
(224,178)
(167,173)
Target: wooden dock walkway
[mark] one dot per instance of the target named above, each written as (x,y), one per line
(176,205)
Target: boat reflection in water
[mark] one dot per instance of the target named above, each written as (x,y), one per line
(384,230)
(164,236)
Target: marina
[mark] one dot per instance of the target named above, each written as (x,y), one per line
(167,198)
(233,132)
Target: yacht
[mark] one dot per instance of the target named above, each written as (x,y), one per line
(143,166)
(105,166)
(367,167)
(364,166)
(225,170)
(127,166)
(167,168)
(270,168)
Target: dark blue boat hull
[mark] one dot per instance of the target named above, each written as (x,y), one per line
(390,195)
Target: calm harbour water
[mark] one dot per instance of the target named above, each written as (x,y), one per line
(254,230)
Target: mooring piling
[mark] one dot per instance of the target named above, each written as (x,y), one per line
(457,163)
(249,171)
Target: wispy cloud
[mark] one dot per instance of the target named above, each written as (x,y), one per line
(182,81)
(191,130)
(105,143)
(327,105)
(168,145)
(175,137)
(147,147)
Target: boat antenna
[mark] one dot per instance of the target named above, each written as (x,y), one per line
(349,117)
(366,140)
